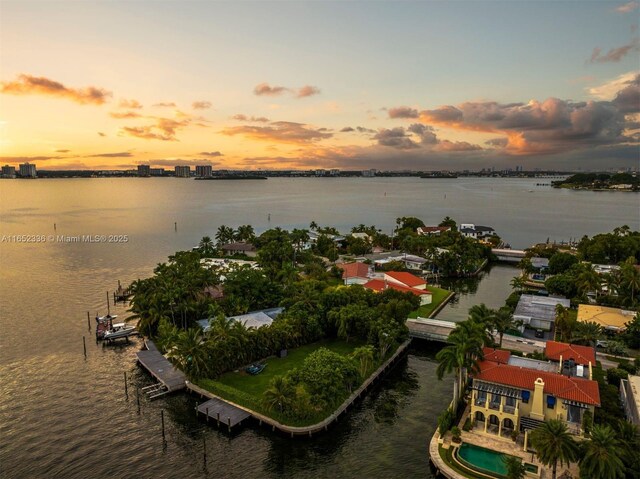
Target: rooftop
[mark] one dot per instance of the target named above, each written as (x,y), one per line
(239,247)
(610,318)
(539,307)
(575,389)
(354,270)
(380,285)
(580,354)
(254,319)
(406,278)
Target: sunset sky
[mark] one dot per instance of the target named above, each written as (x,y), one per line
(293,84)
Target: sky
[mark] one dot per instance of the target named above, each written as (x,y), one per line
(390,85)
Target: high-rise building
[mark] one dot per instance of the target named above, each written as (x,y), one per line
(27,170)
(183,171)
(8,171)
(156,171)
(144,170)
(204,171)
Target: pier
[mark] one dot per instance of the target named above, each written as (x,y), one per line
(169,378)
(430,329)
(222,412)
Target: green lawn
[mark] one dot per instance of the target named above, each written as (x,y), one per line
(439,296)
(244,389)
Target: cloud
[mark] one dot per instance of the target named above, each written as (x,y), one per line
(101,134)
(201,105)
(403,112)
(446,145)
(547,127)
(164,129)
(627,7)
(124,115)
(135,104)
(210,153)
(627,100)
(165,105)
(609,89)
(280,131)
(615,54)
(264,89)
(395,138)
(122,154)
(268,90)
(241,117)
(425,132)
(63,151)
(307,90)
(497,142)
(30,85)
(25,159)
(347,129)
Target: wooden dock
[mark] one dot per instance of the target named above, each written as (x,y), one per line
(222,413)
(170,379)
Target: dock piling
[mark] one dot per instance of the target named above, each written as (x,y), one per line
(162,420)
(207,415)
(204,450)
(84,345)
(229,423)
(88,321)
(126,390)
(138,398)
(218,419)
(108,310)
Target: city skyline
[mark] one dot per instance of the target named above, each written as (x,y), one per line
(302,85)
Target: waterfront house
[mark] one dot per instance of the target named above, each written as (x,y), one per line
(612,319)
(476,231)
(405,279)
(356,273)
(239,248)
(538,312)
(379,285)
(512,395)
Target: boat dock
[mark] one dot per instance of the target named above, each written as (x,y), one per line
(222,412)
(169,378)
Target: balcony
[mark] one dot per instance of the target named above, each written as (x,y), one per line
(509,409)
(482,402)
(494,405)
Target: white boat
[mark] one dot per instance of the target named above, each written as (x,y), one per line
(119,330)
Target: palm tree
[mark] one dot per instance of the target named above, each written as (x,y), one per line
(364,356)
(602,457)
(587,332)
(451,359)
(564,323)
(629,436)
(313,226)
(554,444)
(518,283)
(588,280)
(190,353)
(206,246)
(245,233)
(630,277)
(280,394)
(502,322)
(224,235)
(481,313)
(515,467)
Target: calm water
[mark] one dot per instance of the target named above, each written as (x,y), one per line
(64,416)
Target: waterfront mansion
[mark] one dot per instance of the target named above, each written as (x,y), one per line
(513,395)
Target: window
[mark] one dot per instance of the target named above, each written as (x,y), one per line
(510,402)
(525,396)
(551,401)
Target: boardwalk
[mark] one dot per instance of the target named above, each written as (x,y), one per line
(222,412)
(159,367)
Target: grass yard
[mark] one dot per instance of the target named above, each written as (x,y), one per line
(439,295)
(244,389)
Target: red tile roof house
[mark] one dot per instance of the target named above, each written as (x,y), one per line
(355,273)
(380,285)
(518,394)
(405,279)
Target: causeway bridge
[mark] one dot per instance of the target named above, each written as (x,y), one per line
(508,255)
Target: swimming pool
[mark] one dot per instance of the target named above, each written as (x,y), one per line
(481,459)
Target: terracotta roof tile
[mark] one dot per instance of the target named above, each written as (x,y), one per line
(406,278)
(580,354)
(354,270)
(571,388)
(380,285)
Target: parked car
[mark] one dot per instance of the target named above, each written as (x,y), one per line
(602,344)
(539,333)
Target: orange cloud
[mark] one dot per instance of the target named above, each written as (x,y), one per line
(280,131)
(135,104)
(201,105)
(124,115)
(30,85)
(268,90)
(307,90)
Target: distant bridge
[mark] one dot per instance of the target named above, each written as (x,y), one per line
(431,329)
(509,255)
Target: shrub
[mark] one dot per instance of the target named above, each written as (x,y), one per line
(467,425)
(615,375)
(630,368)
(587,422)
(445,420)
(616,348)
(455,430)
